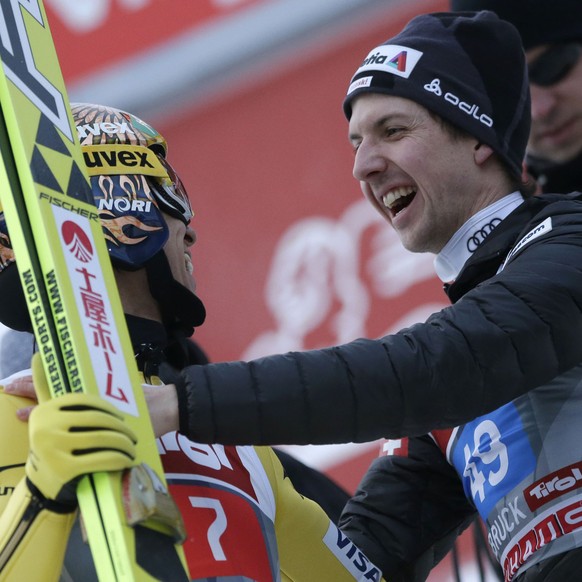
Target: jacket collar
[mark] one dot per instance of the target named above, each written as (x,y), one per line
(486,260)
(474,232)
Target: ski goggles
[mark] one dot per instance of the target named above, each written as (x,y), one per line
(172,196)
(554,64)
(115,159)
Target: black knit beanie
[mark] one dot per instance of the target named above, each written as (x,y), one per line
(469,68)
(538,21)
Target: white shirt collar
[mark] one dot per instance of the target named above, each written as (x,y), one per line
(449,262)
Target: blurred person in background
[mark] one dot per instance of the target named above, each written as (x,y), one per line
(551,33)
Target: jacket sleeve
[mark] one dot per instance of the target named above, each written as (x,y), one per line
(310,545)
(32,538)
(510,334)
(314,485)
(408,511)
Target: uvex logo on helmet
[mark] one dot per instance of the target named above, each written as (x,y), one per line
(116,159)
(107,127)
(111,159)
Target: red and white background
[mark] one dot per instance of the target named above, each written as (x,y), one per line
(248,94)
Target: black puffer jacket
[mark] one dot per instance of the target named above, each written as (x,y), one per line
(505,334)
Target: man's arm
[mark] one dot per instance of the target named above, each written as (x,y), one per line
(408,511)
(43,534)
(512,333)
(314,484)
(32,538)
(310,545)
(70,436)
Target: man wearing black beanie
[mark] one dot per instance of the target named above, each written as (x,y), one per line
(483,400)
(551,32)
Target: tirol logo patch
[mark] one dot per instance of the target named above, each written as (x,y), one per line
(391,58)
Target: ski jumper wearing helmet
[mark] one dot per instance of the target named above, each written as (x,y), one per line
(133,185)
(268,531)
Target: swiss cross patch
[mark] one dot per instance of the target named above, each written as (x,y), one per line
(394,448)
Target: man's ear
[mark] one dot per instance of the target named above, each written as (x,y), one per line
(482,153)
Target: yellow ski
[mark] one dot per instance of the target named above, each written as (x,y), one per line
(133,527)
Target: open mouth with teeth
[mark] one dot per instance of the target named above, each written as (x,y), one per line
(398,199)
(188,262)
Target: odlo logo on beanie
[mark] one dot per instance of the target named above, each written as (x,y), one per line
(470,109)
